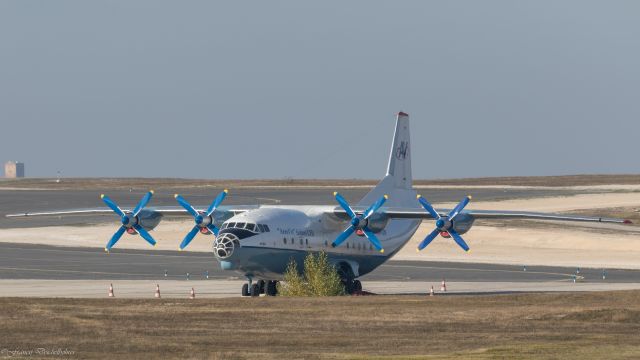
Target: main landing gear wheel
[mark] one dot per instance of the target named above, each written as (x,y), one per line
(272,288)
(261,284)
(351,286)
(245,290)
(255,290)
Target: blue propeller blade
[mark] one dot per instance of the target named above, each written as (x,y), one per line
(186,205)
(115,238)
(344,205)
(373,239)
(427,206)
(343,236)
(189,237)
(427,240)
(145,235)
(143,202)
(459,208)
(112,205)
(373,208)
(217,202)
(458,239)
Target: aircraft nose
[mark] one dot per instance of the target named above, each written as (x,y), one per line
(225,245)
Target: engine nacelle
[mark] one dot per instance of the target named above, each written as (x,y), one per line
(377,222)
(462,223)
(149,219)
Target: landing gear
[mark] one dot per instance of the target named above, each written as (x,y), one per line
(351,285)
(272,288)
(357,286)
(261,284)
(269,288)
(255,290)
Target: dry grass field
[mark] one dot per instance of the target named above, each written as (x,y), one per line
(529,326)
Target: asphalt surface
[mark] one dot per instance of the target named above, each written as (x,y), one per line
(21,201)
(26,261)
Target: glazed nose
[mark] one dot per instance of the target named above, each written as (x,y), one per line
(225,245)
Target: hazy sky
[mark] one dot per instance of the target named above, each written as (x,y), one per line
(272,89)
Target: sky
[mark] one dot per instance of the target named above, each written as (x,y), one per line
(302,89)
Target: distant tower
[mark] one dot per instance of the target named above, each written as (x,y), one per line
(13,169)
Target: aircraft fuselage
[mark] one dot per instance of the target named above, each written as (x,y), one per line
(261,243)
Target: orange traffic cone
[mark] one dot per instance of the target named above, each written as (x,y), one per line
(431,291)
(111,290)
(193,294)
(157,291)
(443,287)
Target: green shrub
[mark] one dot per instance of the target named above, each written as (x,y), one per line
(320,278)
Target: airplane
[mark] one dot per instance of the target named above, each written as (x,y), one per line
(259,241)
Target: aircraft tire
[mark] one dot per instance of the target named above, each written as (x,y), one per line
(271,289)
(261,286)
(255,290)
(357,285)
(245,290)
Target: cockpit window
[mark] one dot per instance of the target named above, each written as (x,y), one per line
(251,227)
(266,228)
(240,225)
(260,228)
(231,225)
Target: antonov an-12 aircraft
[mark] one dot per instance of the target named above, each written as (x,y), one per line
(258,242)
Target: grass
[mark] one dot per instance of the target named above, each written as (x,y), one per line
(529,326)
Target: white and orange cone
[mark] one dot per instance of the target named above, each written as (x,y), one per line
(157,291)
(192,295)
(111,290)
(443,286)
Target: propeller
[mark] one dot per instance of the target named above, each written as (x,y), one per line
(359,222)
(129,220)
(444,224)
(204,220)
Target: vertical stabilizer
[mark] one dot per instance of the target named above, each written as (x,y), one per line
(400,157)
(398,182)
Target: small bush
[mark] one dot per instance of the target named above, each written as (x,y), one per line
(320,278)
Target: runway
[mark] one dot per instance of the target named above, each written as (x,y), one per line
(59,271)
(26,261)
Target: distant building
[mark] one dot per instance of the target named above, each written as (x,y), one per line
(13,169)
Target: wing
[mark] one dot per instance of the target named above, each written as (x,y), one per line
(412,213)
(164,210)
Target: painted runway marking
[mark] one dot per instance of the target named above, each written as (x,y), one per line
(485,270)
(99,272)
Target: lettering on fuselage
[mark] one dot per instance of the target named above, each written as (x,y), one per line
(294,231)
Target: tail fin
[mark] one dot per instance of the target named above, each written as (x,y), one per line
(398,183)
(400,158)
